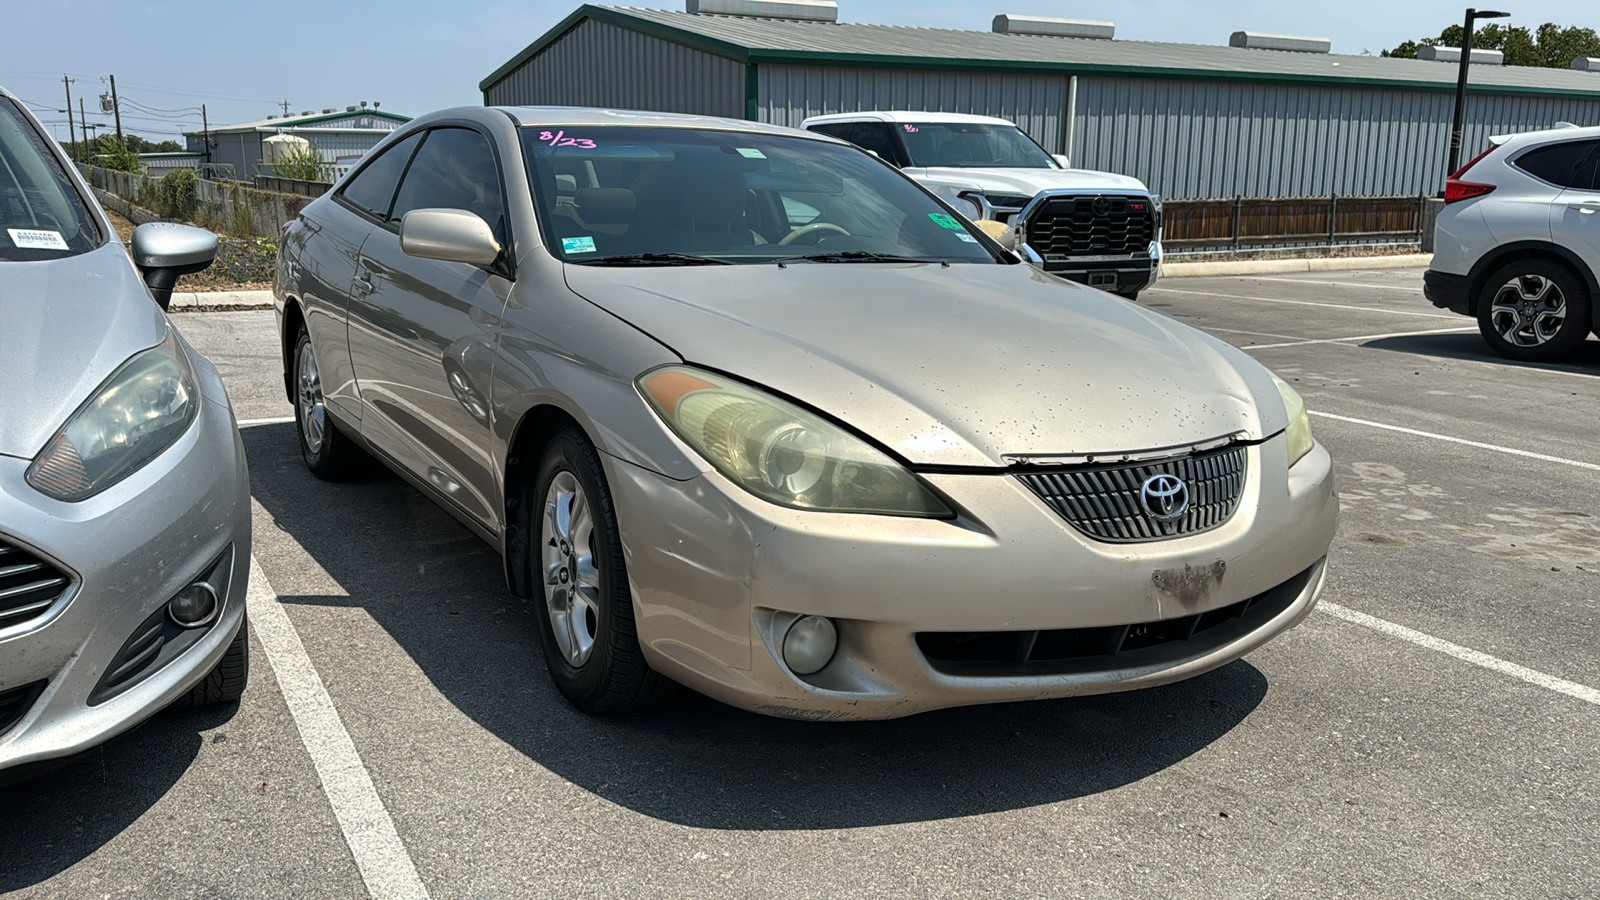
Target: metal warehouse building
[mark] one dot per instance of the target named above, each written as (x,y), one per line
(337,134)
(1190,120)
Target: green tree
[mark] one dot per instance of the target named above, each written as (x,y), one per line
(304,163)
(1550,46)
(108,152)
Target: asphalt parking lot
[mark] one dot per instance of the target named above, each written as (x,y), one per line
(1430,732)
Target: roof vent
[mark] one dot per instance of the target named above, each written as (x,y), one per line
(1453,55)
(1587,64)
(1039,25)
(270,118)
(350,108)
(1256,40)
(329,110)
(799,10)
(307,112)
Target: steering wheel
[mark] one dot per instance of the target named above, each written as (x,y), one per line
(813,228)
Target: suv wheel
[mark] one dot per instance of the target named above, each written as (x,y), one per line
(1534,310)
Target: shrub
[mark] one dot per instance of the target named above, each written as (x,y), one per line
(178,194)
(302,163)
(114,154)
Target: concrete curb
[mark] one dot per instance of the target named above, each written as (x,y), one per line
(191,301)
(1281,266)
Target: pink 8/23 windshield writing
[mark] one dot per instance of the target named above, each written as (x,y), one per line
(560,139)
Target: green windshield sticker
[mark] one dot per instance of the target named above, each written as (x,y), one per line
(750,153)
(945,221)
(966,237)
(578,245)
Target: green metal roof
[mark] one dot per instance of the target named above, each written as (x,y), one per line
(750,40)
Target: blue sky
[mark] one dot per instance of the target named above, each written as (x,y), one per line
(413,56)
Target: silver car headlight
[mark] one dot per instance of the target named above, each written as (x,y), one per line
(780,452)
(1298,434)
(146,405)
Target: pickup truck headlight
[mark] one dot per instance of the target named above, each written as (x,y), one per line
(780,452)
(146,405)
(1298,434)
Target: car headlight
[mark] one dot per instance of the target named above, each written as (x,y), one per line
(146,404)
(780,452)
(1298,434)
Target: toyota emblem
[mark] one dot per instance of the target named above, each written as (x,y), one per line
(1101,206)
(1165,498)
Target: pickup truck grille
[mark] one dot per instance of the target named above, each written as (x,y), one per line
(1101,225)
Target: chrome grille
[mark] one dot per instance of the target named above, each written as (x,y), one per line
(28,584)
(1103,501)
(1070,226)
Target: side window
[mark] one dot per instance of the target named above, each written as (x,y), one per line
(1560,163)
(455,169)
(872,136)
(373,187)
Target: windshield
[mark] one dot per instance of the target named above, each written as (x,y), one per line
(680,196)
(972,145)
(41,215)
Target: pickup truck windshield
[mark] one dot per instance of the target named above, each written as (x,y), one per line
(651,196)
(41,215)
(971,146)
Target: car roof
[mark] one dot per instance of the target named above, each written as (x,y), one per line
(1525,138)
(529,116)
(901,115)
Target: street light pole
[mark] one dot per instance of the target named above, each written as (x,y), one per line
(1461,83)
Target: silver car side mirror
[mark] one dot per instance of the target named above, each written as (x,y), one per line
(453,235)
(164,250)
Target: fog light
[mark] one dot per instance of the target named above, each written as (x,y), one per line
(195,605)
(810,644)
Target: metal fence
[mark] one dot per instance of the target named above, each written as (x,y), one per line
(1243,221)
(226,207)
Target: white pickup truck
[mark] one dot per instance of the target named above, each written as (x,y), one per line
(1098,228)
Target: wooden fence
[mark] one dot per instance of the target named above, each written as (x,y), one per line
(1251,222)
(292,186)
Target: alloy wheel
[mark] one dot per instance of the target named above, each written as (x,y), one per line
(571,574)
(313,412)
(1528,311)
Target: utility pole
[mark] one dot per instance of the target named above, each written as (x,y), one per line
(286,109)
(83,122)
(205,133)
(72,137)
(116,110)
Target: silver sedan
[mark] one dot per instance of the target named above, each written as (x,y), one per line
(124,497)
(745,409)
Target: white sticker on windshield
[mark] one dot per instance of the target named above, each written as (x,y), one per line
(37,239)
(578,244)
(966,237)
(750,153)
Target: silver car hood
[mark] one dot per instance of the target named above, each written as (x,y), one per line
(1029,182)
(65,325)
(958,366)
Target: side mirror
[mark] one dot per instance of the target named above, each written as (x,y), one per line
(1061,160)
(164,250)
(453,235)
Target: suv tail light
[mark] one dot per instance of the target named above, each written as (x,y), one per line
(1456,190)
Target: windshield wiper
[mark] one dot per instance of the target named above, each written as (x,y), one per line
(654,259)
(847,256)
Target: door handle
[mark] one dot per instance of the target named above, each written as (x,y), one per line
(361,286)
(1585,206)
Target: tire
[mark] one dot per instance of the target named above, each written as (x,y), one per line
(591,645)
(226,682)
(327,452)
(1534,310)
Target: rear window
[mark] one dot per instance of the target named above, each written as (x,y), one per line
(1567,164)
(42,215)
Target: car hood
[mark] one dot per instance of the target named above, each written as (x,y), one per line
(65,325)
(958,366)
(1029,181)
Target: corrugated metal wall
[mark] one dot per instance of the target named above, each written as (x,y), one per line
(1037,103)
(598,64)
(1190,140)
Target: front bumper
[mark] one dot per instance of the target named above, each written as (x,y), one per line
(1448,291)
(716,574)
(127,551)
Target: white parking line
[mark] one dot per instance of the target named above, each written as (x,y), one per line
(386,867)
(1465,654)
(1359,337)
(1370,309)
(275,420)
(1415,289)
(1579,464)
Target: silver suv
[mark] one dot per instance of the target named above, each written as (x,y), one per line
(1517,245)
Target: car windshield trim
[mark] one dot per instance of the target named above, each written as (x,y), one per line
(1022,151)
(628,195)
(43,213)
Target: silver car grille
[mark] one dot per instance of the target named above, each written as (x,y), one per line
(28,584)
(1103,502)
